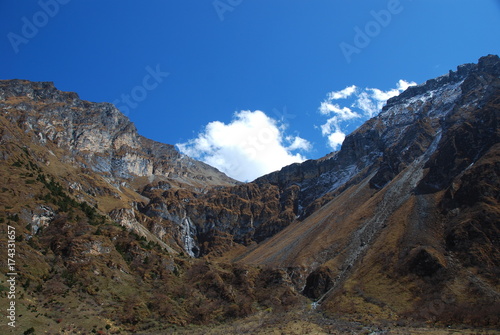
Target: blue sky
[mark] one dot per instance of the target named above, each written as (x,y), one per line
(245,85)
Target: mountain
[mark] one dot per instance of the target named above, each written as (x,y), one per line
(118,232)
(96,152)
(406,215)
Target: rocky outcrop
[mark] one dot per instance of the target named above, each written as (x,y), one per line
(318,283)
(215,220)
(97,136)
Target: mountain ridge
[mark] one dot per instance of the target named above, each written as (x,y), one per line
(78,141)
(403,217)
(405,206)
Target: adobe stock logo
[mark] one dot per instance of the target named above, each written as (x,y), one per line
(139,93)
(223,6)
(363,37)
(30,28)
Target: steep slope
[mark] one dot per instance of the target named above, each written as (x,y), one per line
(406,215)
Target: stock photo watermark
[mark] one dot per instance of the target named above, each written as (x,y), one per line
(223,6)
(364,35)
(283,115)
(139,93)
(31,27)
(11,276)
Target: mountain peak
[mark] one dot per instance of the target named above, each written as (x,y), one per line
(488,64)
(99,134)
(44,90)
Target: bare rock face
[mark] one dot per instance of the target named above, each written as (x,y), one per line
(223,216)
(183,201)
(97,135)
(318,283)
(423,262)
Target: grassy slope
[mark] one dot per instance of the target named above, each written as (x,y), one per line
(386,281)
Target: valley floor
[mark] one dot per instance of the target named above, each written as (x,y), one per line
(313,323)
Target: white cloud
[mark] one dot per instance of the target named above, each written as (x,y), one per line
(331,125)
(251,145)
(344,113)
(368,101)
(365,102)
(336,139)
(403,84)
(298,143)
(381,97)
(342,94)
(332,130)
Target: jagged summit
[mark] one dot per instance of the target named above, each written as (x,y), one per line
(44,90)
(392,130)
(489,65)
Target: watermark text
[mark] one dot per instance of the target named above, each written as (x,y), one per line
(364,36)
(223,6)
(31,27)
(139,93)
(11,275)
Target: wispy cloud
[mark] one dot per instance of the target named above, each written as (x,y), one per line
(359,104)
(342,94)
(298,143)
(251,145)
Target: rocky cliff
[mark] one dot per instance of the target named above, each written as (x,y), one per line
(97,136)
(387,143)
(153,188)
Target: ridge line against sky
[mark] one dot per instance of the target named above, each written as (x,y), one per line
(253,144)
(202,73)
